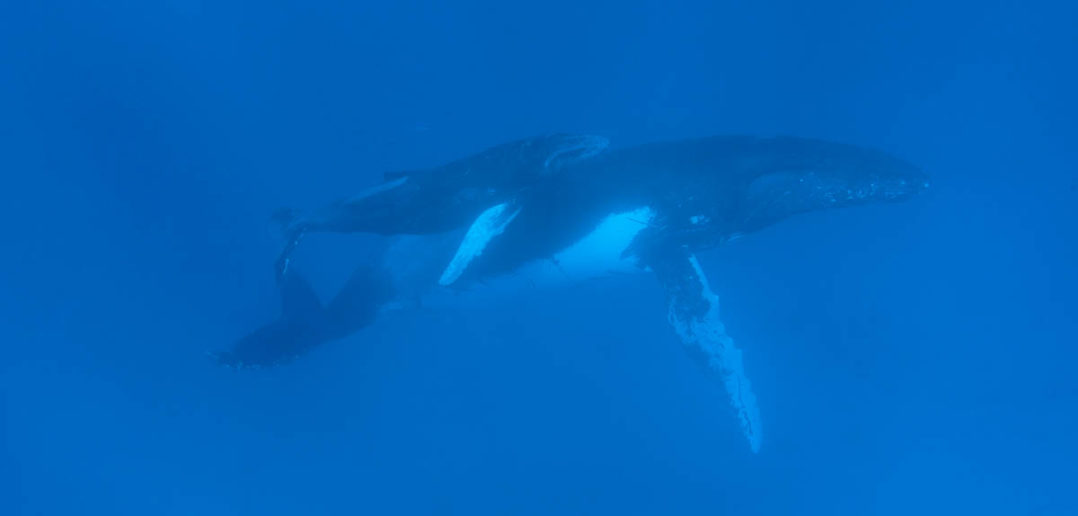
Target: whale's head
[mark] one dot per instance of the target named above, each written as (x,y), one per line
(855,175)
(803,175)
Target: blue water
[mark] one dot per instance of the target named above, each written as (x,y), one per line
(914,358)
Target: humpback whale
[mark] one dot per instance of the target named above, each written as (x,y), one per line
(648,208)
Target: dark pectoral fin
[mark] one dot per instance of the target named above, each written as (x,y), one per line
(694,314)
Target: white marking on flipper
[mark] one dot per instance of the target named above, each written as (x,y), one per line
(488,225)
(707,334)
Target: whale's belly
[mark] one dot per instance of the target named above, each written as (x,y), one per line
(599,254)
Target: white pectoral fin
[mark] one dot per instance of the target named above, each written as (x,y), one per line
(694,313)
(486,227)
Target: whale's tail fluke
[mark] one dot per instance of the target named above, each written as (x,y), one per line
(305,323)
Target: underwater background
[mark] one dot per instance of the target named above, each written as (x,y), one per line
(914,358)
